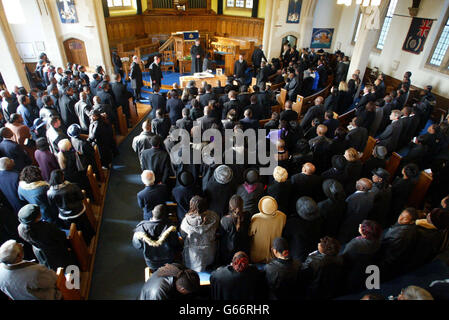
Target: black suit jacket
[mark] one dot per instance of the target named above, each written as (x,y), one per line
(205,98)
(158,161)
(357,138)
(312,113)
(390,137)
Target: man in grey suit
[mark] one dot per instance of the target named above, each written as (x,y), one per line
(390,137)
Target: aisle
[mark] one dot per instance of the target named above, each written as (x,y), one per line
(119,268)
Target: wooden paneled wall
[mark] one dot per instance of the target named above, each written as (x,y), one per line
(129,27)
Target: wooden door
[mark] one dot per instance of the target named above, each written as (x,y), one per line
(75,51)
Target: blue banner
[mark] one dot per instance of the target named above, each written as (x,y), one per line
(191,36)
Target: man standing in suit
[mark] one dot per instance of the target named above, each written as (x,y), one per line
(174,107)
(67,108)
(121,96)
(160,125)
(257,57)
(197,54)
(157,160)
(156,72)
(240,67)
(358,136)
(390,137)
(12,150)
(317,111)
(233,103)
(208,120)
(152,195)
(158,101)
(208,96)
(248,122)
(263,74)
(136,78)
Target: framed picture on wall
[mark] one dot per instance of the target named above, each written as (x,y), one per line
(219,72)
(322,38)
(67,11)
(294,11)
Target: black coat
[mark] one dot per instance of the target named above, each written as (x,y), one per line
(67,109)
(182,195)
(228,106)
(302,236)
(150,197)
(251,200)
(227,284)
(332,212)
(161,126)
(219,195)
(401,190)
(257,57)
(353,172)
(102,134)
(357,138)
(158,240)
(121,96)
(312,113)
(205,98)
(160,288)
(158,101)
(233,241)
(382,204)
(322,276)
(136,76)
(371,164)
(156,73)
(396,253)
(197,63)
(240,68)
(390,137)
(281,192)
(359,207)
(158,161)
(306,186)
(52,241)
(282,277)
(13,151)
(174,108)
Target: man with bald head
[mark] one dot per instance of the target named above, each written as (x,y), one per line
(307,184)
(359,207)
(12,150)
(152,195)
(317,111)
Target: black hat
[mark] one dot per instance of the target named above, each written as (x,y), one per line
(186,178)
(307,208)
(251,176)
(29,213)
(339,162)
(382,173)
(334,190)
(280,244)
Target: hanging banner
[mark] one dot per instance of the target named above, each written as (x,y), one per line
(294,11)
(322,38)
(417,35)
(67,11)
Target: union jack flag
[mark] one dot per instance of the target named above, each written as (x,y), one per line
(417,35)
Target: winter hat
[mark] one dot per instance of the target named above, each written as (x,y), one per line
(223,174)
(280,174)
(334,190)
(240,261)
(380,152)
(268,205)
(339,162)
(251,176)
(29,213)
(74,130)
(382,173)
(439,218)
(307,209)
(186,178)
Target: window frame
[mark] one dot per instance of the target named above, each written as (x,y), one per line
(358,25)
(444,67)
(122,7)
(239,8)
(379,32)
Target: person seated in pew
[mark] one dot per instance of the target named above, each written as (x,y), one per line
(377,160)
(289,114)
(158,239)
(46,237)
(248,122)
(198,229)
(238,281)
(152,195)
(68,198)
(382,196)
(282,272)
(358,135)
(25,280)
(171,282)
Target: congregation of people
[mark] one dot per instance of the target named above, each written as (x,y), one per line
(308,231)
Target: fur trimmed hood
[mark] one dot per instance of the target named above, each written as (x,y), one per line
(33,185)
(154,243)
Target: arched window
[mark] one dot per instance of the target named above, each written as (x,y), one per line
(439,56)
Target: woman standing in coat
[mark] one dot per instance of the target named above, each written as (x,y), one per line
(198,231)
(33,189)
(234,231)
(68,198)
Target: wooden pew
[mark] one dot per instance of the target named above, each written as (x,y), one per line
(263,122)
(123,127)
(133,112)
(89,212)
(419,192)
(393,164)
(67,294)
(276,108)
(282,98)
(94,185)
(297,106)
(80,248)
(101,176)
(370,144)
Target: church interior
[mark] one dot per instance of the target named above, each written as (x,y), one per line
(352,96)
